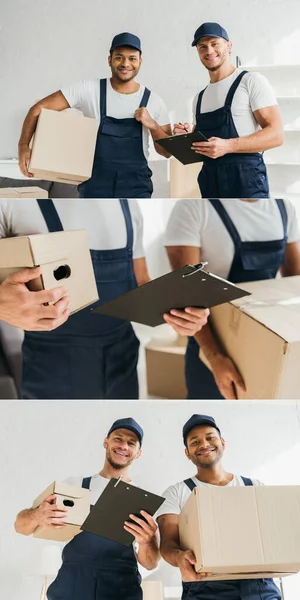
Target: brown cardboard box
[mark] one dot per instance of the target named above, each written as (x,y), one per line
(63,147)
(261,333)
(64,258)
(183,179)
(243,532)
(153,590)
(165,368)
(75,499)
(23,192)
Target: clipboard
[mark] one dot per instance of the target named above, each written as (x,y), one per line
(113,507)
(188,286)
(180,147)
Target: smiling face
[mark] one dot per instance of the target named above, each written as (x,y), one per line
(213,52)
(122,448)
(205,447)
(125,63)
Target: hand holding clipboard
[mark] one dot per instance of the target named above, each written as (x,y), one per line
(180,145)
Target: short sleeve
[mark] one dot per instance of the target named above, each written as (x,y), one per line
(171,504)
(261,93)
(184,225)
(74,94)
(160,111)
(293,230)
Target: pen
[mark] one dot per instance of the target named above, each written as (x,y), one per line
(183,127)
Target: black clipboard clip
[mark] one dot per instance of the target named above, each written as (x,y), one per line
(195,268)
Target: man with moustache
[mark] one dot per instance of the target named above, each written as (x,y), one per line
(238,113)
(204,446)
(94,568)
(128,113)
(242,240)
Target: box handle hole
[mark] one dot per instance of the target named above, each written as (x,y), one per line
(63,272)
(68,502)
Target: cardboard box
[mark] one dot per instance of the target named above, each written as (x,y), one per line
(184,179)
(153,590)
(64,258)
(261,333)
(23,192)
(63,147)
(75,499)
(243,532)
(165,368)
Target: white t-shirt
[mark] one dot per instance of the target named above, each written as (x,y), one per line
(85,96)
(197,223)
(103,220)
(253,93)
(177,495)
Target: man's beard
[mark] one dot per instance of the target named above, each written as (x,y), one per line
(115,465)
(213,69)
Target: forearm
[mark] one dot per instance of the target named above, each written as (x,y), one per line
(149,554)
(157,133)
(208,343)
(26,522)
(170,551)
(265,139)
(29,125)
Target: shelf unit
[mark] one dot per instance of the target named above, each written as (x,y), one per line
(283,163)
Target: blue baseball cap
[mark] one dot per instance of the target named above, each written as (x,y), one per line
(126,39)
(210,29)
(128,423)
(196,421)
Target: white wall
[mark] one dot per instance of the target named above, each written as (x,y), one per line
(45,45)
(43,441)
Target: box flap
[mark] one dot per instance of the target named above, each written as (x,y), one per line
(72,491)
(276,304)
(15,252)
(49,247)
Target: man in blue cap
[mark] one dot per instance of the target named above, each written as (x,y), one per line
(93,567)
(204,446)
(238,113)
(129,115)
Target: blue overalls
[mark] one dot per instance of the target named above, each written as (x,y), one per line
(240,175)
(94,568)
(253,261)
(243,589)
(120,168)
(89,356)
